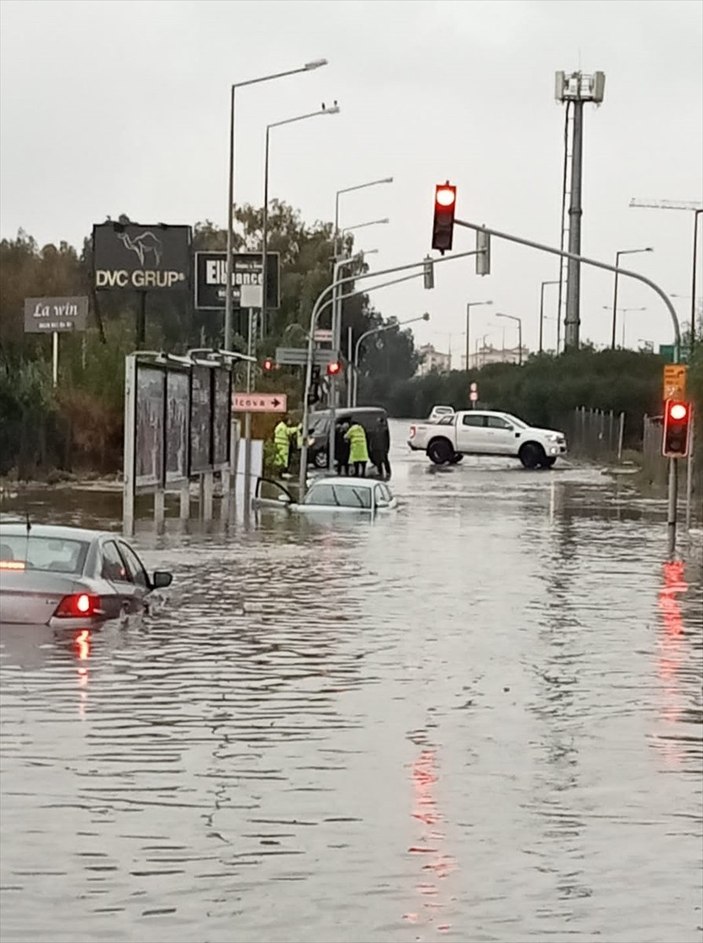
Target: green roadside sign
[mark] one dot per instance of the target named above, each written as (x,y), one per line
(667,352)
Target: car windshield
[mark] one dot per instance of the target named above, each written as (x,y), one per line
(53,554)
(344,496)
(318,424)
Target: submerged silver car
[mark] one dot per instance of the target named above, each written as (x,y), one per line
(65,576)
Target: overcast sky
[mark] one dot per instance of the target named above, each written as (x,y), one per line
(110,107)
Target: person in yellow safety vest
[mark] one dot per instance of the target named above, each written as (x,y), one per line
(358,448)
(295,438)
(281,441)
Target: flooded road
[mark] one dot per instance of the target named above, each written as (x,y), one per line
(478,719)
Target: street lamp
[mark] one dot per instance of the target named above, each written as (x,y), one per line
(377,330)
(371,222)
(624,311)
(519,334)
(615,287)
(336,313)
(541,312)
(332,110)
(469,305)
(308,67)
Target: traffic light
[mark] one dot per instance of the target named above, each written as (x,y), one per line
(443,226)
(334,368)
(483,252)
(428,272)
(677,427)
(268,365)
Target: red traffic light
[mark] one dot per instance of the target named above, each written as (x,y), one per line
(678,411)
(267,365)
(445,196)
(443,225)
(677,427)
(334,368)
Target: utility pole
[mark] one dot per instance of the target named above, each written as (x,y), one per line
(576,89)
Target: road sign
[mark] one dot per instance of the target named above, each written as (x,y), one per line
(474,387)
(46,315)
(323,336)
(667,352)
(260,402)
(298,356)
(674,381)
(473,396)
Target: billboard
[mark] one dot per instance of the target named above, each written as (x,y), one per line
(149,426)
(177,417)
(46,315)
(221,416)
(211,279)
(200,416)
(141,258)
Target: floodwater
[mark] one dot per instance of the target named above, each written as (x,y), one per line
(476,719)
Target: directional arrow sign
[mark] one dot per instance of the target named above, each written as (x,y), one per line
(260,403)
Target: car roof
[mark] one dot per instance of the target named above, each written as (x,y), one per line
(350,411)
(343,480)
(55,531)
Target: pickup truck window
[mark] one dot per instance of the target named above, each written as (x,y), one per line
(469,420)
(495,422)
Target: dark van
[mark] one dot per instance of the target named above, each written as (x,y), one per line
(319,425)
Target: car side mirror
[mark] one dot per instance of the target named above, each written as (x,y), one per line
(161,579)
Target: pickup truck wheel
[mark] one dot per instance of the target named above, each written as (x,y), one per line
(532,455)
(456,458)
(549,462)
(440,451)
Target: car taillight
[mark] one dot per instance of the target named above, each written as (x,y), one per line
(412,432)
(77,605)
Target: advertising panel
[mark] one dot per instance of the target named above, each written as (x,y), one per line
(141,258)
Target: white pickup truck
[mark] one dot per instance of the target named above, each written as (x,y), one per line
(480,432)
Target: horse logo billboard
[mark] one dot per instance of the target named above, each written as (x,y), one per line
(141,258)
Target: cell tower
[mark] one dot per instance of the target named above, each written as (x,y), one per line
(574,89)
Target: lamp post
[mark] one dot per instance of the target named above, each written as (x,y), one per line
(469,306)
(308,67)
(371,222)
(541,312)
(615,286)
(624,311)
(692,342)
(519,334)
(359,186)
(332,110)
(378,330)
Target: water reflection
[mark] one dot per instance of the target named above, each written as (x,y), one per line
(238,766)
(435,863)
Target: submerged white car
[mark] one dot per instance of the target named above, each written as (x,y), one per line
(360,495)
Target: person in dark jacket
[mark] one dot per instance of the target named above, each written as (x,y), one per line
(381,448)
(341,448)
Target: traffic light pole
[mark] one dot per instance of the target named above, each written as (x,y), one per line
(321,302)
(673,470)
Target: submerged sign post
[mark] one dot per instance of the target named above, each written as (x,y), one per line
(55,316)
